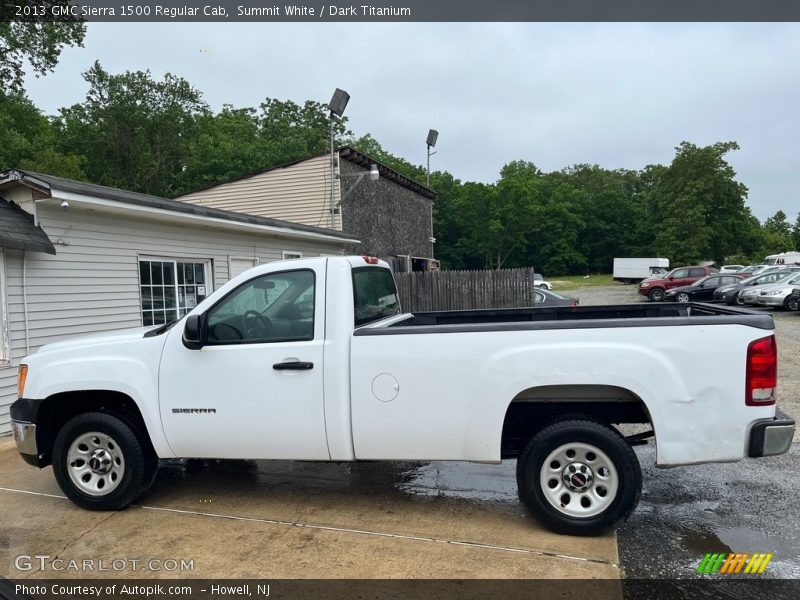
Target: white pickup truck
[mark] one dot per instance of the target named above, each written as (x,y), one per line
(312,359)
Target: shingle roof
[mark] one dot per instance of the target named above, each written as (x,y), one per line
(135,198)
(18,231)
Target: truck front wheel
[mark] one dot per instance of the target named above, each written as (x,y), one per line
(656,295)
(579,477)
(101,463)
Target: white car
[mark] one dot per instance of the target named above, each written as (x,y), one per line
(312,359)
(541,282)
(731,268)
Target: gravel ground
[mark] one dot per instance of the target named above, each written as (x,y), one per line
(787,331)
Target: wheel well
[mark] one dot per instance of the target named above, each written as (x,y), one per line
(534,408)
(60,408)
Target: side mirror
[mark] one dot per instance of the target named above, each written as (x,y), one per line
(192,333)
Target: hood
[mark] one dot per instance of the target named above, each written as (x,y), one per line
(681,288)
(119,335)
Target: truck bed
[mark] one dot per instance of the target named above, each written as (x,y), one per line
(580,317)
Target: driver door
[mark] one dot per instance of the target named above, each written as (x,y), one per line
(255,388)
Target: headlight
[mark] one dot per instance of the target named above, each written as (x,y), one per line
(645,284)
(21,377)
(775,293)
(725,290)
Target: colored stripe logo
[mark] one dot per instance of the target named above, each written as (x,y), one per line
(734,563)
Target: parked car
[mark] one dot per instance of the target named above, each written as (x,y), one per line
(767,269)
(750,295)
(245,375)
(793,303)
(751,269)
(777,294)
(656,288)
(731,268)
(542,297)
(729,294)
(541,282)
(701,290)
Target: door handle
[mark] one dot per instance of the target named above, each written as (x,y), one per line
(293,366)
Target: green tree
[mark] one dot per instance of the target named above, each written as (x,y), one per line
(133,130)
(796,233)
(28,140)
(699,205)
(37,41)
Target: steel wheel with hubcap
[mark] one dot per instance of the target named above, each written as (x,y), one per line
(682,297)
(656,295)
(579,477)
(95,463)
(102,461)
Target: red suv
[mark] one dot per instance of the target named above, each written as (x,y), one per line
(655,288)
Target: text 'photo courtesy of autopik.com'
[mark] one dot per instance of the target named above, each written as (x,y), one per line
(407,299)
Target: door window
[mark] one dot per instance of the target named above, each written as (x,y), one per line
(696,272)
(680,274)
(272,308)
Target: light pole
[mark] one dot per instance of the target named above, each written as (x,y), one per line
(336,106)
(433,135)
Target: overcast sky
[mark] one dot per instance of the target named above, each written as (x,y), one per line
(618,95)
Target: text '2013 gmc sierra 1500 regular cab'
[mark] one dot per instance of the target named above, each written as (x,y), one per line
(312,359)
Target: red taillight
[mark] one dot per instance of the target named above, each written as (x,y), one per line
(761,377)
(371,260)
(574,303)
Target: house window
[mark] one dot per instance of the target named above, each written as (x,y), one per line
(5,353)
(287,254)
(171,288)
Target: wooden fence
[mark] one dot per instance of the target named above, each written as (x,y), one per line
(463,290)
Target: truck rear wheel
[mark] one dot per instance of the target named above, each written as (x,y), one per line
(101,462)
(579,477)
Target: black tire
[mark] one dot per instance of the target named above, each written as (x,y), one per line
(682,297)
(656,295)
(739,300)
(793,303)
(138,459)
(562,433)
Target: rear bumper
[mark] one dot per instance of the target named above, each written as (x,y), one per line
(768,438)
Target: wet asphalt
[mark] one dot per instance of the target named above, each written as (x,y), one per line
(750,506)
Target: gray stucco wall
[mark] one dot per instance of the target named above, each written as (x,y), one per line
(388,219)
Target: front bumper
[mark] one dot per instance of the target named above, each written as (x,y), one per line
(770,300)
(24,415)
(768,438)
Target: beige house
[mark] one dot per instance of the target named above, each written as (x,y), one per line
(78,258)
(391,216)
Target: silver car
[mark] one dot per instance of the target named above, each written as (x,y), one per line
(777,294)
(751,294)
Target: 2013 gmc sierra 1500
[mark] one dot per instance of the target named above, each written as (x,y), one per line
(312,359)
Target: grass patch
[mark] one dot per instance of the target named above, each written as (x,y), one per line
(579,282)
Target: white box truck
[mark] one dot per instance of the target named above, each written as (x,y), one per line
(634,270)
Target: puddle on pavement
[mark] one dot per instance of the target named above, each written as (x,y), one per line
(738,539)
(467,481)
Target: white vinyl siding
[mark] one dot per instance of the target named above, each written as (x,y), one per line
(5,350)
(92,283)
(300,193)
